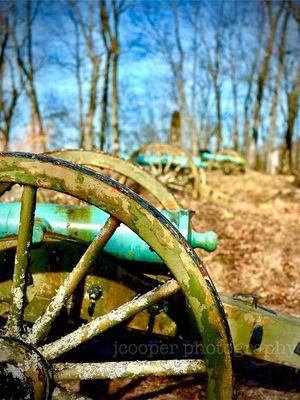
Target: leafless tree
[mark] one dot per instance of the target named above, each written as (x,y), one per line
(213,59)
(87,30)
(278,84)
(273,20)
(167,41)
(111,40)
(8,97)
(107,40)
(25,60)
(175,129)
(233,59)
(292,98)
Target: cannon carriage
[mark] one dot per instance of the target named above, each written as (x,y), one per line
(179,171)
(229,161)
(73,274)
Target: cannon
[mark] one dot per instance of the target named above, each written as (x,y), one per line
(177,167)
(228,160)
(83,223)
(53,269)
(173,166)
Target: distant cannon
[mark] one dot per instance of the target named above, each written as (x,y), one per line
(162,155)
(173,166)
(228,161)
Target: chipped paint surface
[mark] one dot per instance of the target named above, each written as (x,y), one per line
(152,227)
(18,289)
(113,370)
(102,323)
(84,223)
(26,368)
(124,167)
(280,333)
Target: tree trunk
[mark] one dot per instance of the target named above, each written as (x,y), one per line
(104,101)
(40,138)
(219,115)
(32,91)
(235,117)
(273,112)
(273,20)
(7,107)
(246,108)
(4,139)
(88,129)
(115,101)
(193,135)
(175,129)
(78,79)
(293,106)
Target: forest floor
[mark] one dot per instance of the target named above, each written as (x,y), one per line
(258,252)
(259,238)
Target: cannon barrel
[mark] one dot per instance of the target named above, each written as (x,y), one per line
(85,222)
(146,159)
(200,162)
(206,156)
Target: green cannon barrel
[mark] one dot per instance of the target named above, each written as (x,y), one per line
(200,162)
(147,159)
(206,156)
(84,223)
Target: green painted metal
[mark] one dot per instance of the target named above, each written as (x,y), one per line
(124,167)
(43,324)
(113,370)
(27,371)
(147,159)
(84,223)
(206,156)
(18,288)
(159,234)
(199,161)
(280,333)
(102,323)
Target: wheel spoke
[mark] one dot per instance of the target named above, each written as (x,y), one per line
(22,260)
(168,165)
(124,369)
(115,317)
(177,169)
(160,166)
(174,186)
(43,324)
(154,170)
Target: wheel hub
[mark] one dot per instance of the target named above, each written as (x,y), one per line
(24,373)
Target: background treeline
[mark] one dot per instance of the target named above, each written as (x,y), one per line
(108,74)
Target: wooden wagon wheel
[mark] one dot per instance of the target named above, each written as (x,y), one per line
(28,363)
(173,166)
(124,167)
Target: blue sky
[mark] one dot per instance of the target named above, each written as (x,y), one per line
(145,80)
